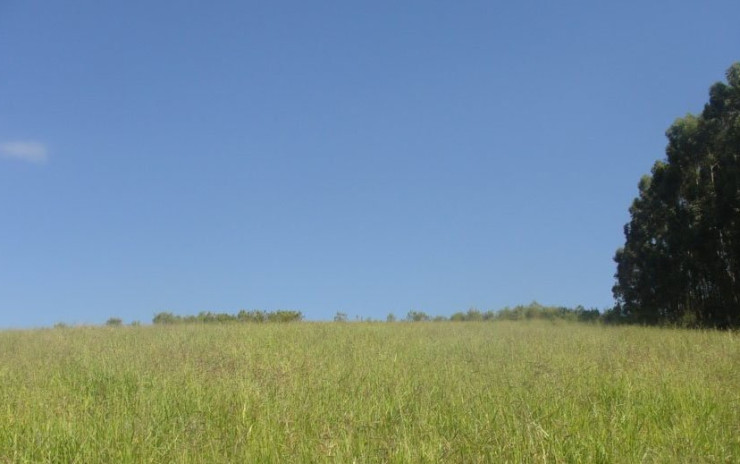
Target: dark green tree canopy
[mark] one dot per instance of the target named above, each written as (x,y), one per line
(681,258)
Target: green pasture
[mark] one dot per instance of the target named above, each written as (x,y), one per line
(369,392)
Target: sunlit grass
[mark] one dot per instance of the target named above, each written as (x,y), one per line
(401,392)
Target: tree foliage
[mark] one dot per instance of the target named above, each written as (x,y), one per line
(681,258)
(114,322)
(417,316)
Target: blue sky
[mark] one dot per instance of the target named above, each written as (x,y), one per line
(363,157)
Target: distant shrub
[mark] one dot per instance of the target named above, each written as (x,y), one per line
(166,318)
(340,317)
(60,325)
(417,316)
(390,317)
(458,317)
(114,322)
(284,316)
(251,316)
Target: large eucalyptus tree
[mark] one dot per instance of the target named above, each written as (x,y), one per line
(681,258)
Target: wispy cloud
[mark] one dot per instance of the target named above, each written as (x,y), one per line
(33,152)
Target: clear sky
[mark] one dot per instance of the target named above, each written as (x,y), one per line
(363,157)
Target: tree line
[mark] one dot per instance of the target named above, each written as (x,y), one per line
(681,259)
(533,310)
(207,317)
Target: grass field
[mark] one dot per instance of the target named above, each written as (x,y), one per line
(369,392)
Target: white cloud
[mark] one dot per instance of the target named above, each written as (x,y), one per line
(33,152)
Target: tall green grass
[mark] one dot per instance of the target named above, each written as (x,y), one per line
(401,392)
